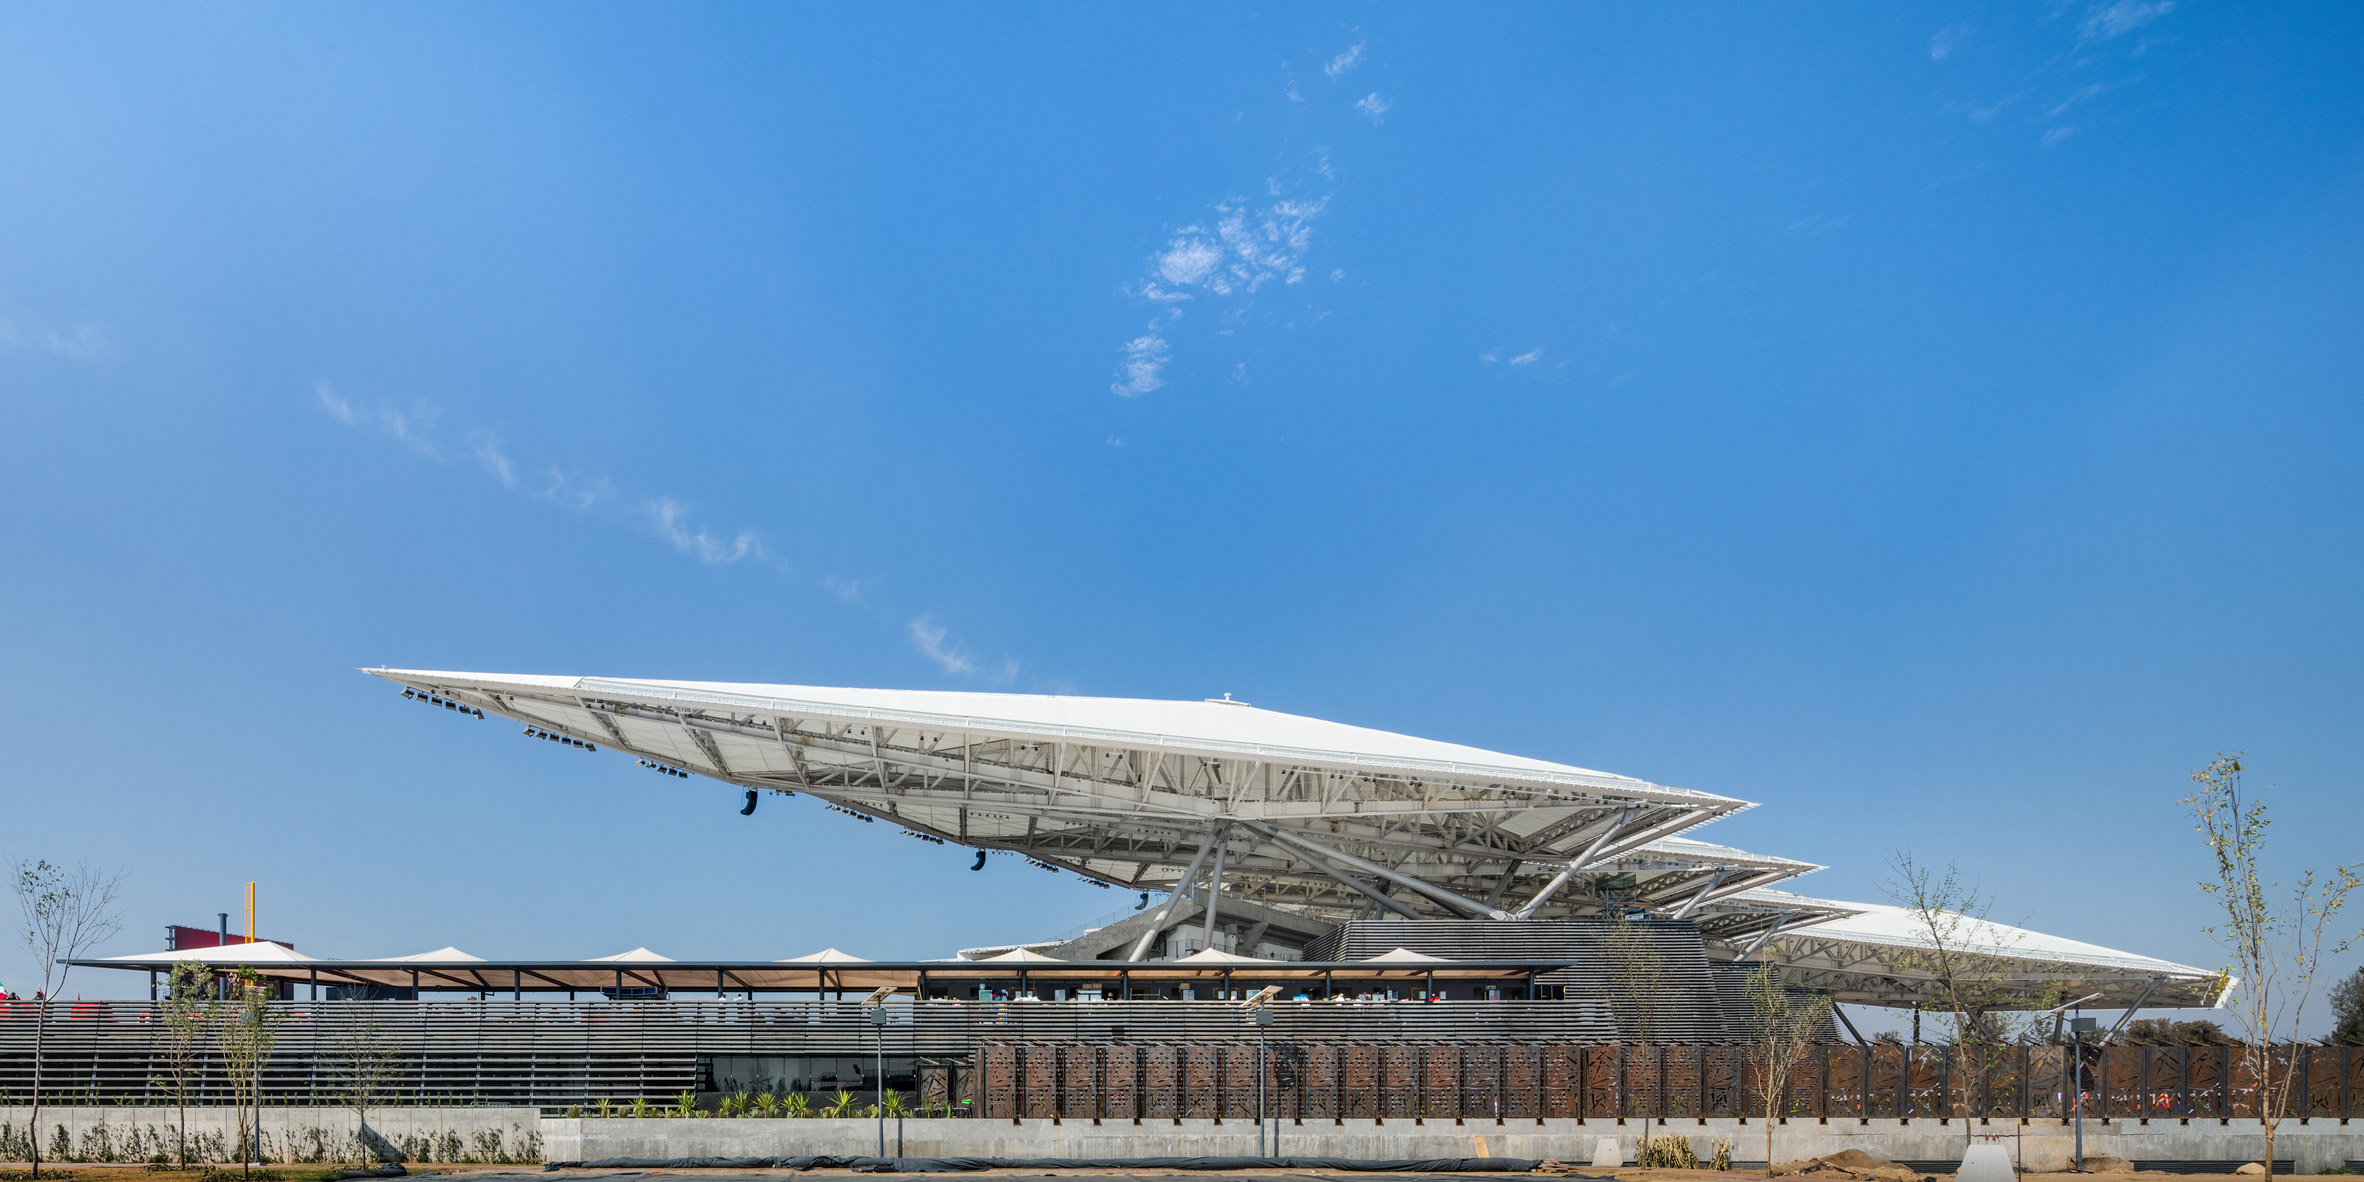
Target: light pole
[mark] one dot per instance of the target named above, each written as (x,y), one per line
(2078,1029)
(876,1004)
(1262,1017)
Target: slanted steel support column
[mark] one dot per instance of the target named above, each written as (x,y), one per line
(1701,897)
(1767,934)
(1580,862)
(2147,990)
(1378,897)
(1468,907)
(1181,888)
(1215,881)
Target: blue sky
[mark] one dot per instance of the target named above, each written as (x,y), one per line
(1939,424)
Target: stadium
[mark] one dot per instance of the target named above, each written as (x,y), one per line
(1271,855)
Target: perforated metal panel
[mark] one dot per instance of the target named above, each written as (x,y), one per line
(1399,1066)
(1202,1082)
(1161,1087)
(1122,1095)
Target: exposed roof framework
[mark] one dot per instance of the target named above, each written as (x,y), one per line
(1126,791)
(1332,821)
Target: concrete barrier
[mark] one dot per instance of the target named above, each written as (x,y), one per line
(520,1135)
(130,1133)
(2031,1146)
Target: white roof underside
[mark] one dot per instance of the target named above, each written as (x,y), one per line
(1127,791)
(1877,953)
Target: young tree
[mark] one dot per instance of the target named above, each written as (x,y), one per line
(1782,1026)
(363,1063)
(185,1018)
(2277,936)
(1637,987)
(66,913)
(1970,967)
(249,1034)
(2347,1011)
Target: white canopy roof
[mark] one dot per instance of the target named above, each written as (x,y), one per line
(1021,956)
(1218,956)
(636,956)
(1319,818)
(1865,953)
(824,956)
(444,955)
(254,952)
(1402,955)
(1127,790)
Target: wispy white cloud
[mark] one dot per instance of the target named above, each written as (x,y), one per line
(2106,22)
(672,518)
(1529,357)
(1247,247)
(1948,39)
(415,429)
(1346,61)
(1244,248)
(1818,225)
(2058,134)
(1372,107)
(930,640)
(2088,91)
(80,343)
(1143,368)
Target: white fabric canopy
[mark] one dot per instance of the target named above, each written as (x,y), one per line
(256,952)
(1021,956)
(1402,955)
(1218,956)
(636,956)
(444,955)
(824,956)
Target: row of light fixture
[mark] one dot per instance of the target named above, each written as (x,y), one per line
(1042,865)
(670,771)
(440,700)
(851,813)
(539,733)
(923,836)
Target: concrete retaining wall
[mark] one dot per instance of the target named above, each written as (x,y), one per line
(289,1134)
(2042,1146)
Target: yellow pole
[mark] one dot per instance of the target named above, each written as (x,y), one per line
(250,913)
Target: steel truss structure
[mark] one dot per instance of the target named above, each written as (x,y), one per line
(1318,818)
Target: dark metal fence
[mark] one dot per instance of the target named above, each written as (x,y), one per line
(1507,1080)
(557,1054)
(1147,1059)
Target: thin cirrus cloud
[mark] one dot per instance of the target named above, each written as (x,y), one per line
(1246,247)
(2110,21)
(1529,357)
(80,343)
(415,428)
(1344,62)
(667,518)
(931,641)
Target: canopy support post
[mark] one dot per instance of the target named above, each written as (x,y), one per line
(1581,861)
(1181,888)
(1215,881)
